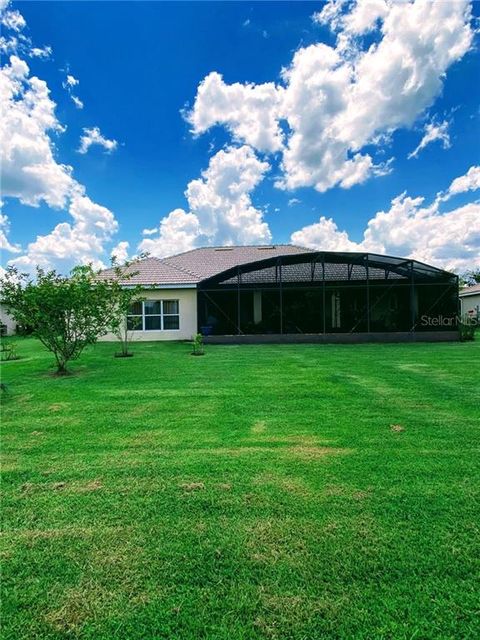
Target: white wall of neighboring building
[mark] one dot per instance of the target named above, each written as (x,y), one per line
(187,306)
(7,320)
(470,304)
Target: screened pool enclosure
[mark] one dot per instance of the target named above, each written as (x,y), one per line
(328,293)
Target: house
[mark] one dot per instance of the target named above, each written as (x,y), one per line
(289,293)
(7,323)
(470,301)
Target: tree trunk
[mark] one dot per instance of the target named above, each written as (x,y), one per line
(61,368)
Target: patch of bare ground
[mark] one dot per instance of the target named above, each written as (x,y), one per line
(259,426)
(68,532)
(58,406)
(347,492)
(9,463)
(58,486)
(234,451)
(271,541)
(80,604)
(397,428)
(224,486)
(25,397)
(192,486)
(287,484)
(30,487)
(314,452)
(300,447)
(294,439)
(281,613)
(93,485)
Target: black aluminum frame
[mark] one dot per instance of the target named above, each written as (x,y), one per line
(378,269)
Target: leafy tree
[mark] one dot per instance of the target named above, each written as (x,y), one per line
(65,313)
(470,278)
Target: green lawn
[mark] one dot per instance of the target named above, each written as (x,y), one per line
(255,492)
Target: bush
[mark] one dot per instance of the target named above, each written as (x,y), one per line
(467,328)
(197,345)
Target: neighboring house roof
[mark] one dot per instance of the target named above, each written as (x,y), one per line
(470,291)
(196,265)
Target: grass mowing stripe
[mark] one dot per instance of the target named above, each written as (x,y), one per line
(290,492)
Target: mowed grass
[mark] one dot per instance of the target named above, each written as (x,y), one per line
(279,492)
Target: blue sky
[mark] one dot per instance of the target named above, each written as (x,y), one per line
(139,66)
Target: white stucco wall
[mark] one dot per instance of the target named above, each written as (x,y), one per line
(187,306)
(470,303)
(7,320)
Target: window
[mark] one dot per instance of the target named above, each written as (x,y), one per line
(154,315)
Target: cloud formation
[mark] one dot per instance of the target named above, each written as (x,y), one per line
(220,207)
(448,239)
(333,101)
(468,182)
(432,133)
(32,174)
(93,137)
(68,244)
(68,84)
(30,171)
(120,252)
(5,244)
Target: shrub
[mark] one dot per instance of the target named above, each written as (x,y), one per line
(467,327)
(197,345)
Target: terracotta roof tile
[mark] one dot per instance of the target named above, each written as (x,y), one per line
(196,265)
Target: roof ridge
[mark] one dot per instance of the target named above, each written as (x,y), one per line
(181,269)
(237,246)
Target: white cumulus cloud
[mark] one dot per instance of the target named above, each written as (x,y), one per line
(432,133)
(324,235)
(5,244)
(150,232)
(12,19)
(68,84)
(468,182)
(93,137)
(335,101)
(41,52)
(32,174)
(120,252)
(249,111)
(79,242)
(220,207)
(29,169)
(71,81)
(449,239)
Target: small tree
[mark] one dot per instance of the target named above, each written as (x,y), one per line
(124,297)
(65,313)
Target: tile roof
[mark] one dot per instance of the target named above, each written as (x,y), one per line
(196,265)
(209,261)
(153,271)
(470,291)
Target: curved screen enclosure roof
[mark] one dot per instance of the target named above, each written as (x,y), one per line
(314,266)
(215,265)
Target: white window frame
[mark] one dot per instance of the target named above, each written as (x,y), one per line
(160,315)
